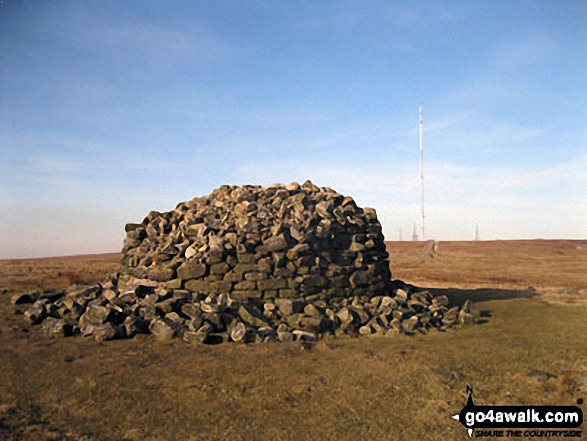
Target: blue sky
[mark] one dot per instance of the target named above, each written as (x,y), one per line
(111,109)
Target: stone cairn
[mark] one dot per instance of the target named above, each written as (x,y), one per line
(249,264)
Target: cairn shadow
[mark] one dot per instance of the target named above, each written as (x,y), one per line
(457,296)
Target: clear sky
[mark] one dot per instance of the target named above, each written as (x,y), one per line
(111,109)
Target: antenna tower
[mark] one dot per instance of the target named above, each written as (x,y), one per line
(422,167)
(414,234)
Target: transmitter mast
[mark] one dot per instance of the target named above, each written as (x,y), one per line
(422,168)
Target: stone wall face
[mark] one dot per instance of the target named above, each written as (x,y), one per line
(252,242)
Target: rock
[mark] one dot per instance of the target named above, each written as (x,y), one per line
(165,306)
(285,336)
(106,331)
(411,324)
(144,289)
(311,309)
(161,274)
(360,314)
(440,301)
(395,324)
(401,296)
(294,320)
(132,227)
(324,209)
(196,230)
(216,243)
(437,311)
(191,310)
(468,315)
(272,284)
(288,293)
(194,337)
(304,335)
(417,306)
(109,294)
(204,330)
(365,330)
(451,316)
(345,316)
(276,243)
(398,314)
(219,268)
(191,270)
(162,329)
(422,297)
(253,277)
(297,250)
(148,312)
(190,252)
(387,301)
(208,307)
(195,324)
(36,313)
(313,281)
(173,317)
(266,331)
(57,327)
(90,292)
(288,307)
(251,316)
(87,329)
(238,332)
(317,324)
(200,336)
(134,324)
(20,299)
(95,315)
(297,234)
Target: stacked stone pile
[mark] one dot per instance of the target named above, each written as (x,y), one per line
(265,243)
(249,264)
(126,306)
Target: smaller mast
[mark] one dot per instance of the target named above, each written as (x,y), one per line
(422,167)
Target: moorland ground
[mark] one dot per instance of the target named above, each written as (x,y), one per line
(533,298)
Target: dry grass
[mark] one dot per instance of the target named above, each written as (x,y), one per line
(494,264)
(55,273)
(343,388)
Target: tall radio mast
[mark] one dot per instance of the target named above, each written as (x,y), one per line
(422,166)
